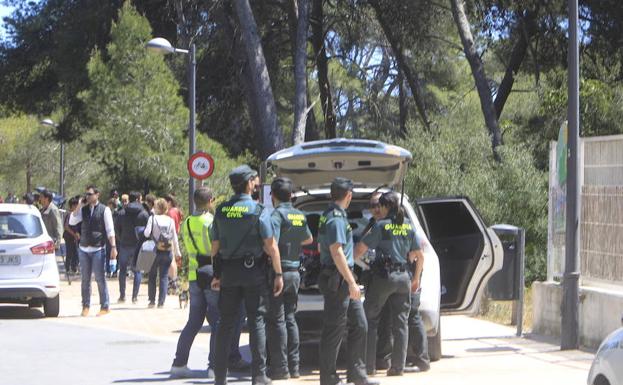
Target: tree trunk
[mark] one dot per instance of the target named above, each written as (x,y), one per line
(525,29)
(478,72)
(28,176)
(311,128)
(300,73)
(322,64)
(270,136)
(394,42)
(402,106)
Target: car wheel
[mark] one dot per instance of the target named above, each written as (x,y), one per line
(601,380)
(434,344)
(51,306)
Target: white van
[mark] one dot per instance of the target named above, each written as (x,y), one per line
(461,252)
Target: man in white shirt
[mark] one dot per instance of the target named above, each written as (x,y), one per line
(96,225)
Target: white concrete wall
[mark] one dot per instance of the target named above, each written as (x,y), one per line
(600,311)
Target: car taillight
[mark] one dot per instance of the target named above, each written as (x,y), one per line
(43,248)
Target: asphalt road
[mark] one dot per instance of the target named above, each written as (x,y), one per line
(135,345)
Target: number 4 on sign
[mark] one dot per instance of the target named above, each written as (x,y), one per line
(200,165)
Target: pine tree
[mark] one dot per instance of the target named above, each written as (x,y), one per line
(133,105)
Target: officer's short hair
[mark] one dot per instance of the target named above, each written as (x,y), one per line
(202,196)
(340,188)
(281,188)
(133,196)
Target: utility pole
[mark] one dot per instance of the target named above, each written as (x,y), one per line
(569,338)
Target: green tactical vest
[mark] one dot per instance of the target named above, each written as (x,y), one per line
(238,225)
(198,225)
(395,240)
(293,231)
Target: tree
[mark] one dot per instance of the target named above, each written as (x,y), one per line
(322,64)
(135,115)
(271,139)
(409,74)
(478,72)
(300,73)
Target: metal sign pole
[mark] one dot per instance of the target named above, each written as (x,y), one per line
(569,338)
(521,260)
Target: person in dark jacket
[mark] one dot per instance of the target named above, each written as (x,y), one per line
(128,219)
(72,237)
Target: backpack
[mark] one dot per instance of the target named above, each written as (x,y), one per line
(165,239)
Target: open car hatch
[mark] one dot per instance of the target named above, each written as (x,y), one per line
(368,163)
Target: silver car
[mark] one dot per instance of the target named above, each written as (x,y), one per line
(461,252)
(607,368)
(28,268)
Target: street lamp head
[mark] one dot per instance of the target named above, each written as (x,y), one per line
(160,45)
(48,122)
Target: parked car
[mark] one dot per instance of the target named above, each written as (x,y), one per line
(607,368)
(28,269)
(461,252)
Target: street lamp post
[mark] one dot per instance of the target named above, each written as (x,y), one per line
(163,46)
(61,178)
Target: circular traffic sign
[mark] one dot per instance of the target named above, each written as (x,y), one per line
(200,165)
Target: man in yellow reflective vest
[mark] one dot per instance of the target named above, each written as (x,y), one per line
(203,300)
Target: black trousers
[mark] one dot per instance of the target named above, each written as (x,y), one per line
(395,290)
(283,332)
(239,284)
(341,314)
(417,349)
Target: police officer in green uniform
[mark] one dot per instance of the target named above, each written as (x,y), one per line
(240,233)
(342,297)
(395,244)
(290,232)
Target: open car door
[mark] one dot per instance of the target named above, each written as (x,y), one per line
(469,252)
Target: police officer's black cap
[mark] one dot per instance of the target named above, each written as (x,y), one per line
(282,184)
(241,174)
(342,184)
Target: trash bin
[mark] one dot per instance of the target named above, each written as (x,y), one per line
(508,283)
(504,285)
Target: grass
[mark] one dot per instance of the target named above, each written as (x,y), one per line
(501,311)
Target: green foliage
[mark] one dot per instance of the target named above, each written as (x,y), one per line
(29,147)
(135,113)
(456,160)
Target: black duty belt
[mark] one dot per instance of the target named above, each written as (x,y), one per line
(247,260)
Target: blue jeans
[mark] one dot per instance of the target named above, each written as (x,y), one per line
(126,254)
(160,267)
(93,263)
(204,304)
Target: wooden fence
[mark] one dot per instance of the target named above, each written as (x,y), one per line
(601,252)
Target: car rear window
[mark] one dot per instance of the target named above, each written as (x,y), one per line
(19,225)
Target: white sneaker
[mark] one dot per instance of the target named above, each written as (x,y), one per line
(180,372)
